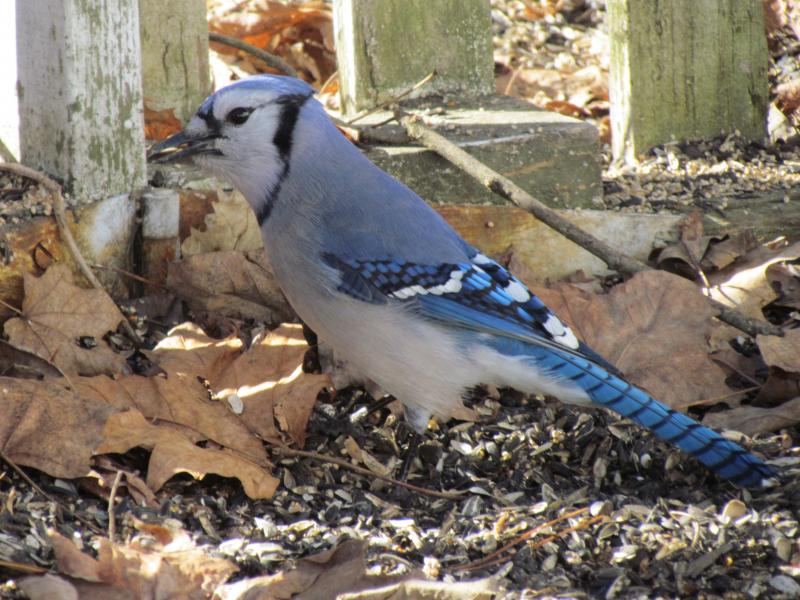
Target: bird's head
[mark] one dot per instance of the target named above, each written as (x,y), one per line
(242,133)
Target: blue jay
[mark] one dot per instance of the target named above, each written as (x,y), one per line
(380,276)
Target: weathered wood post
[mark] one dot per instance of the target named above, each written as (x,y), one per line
(686,69)
(80,119)
(384,47)
(80,94)
(175,71)
(176,78)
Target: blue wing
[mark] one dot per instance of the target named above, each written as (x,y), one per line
(482,296)
(479,295)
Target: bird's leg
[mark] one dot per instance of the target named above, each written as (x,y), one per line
(417,420)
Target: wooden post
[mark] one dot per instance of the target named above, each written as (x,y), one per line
(80,94)
(385,46)
(175,71)
(686,69)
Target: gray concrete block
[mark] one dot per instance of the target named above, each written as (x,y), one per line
(553,157)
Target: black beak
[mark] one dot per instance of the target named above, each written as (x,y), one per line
(181,146)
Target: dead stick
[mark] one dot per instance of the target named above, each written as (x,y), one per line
(60,213)
(504,187)
(112,497)
(362,471)
(273,61)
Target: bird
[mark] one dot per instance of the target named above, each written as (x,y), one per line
(380,276)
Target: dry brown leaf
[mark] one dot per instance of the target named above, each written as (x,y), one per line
(48,587)
(654,328)
(724,252)
(160,124)
(173,452)
(230,283)
(187,350)
(300,33)
(784,277)
(782,352)
(319,577)
(341,573)
(57,314)
(744,284)
(270,382)
(753,420)
(158,564)
(232,226)
(48,427)
(179,399)
(15,362)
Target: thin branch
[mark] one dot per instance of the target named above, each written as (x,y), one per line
(362,471)
(505,188)
(22,567)
(112,518)
(273,61)
(60,213)
(492,558)
(14,467)
(393,100)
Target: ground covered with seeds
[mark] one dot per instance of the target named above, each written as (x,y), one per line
(556,501)
(642,520)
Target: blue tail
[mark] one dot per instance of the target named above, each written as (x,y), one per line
(722,456)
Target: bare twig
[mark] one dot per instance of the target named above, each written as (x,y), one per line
(272,60)
(504,187)
(362,471)
(22,567)
(130,275)
(14,467)
(723,397)
(394,100)
(497,555)
(60,213)
(112,496)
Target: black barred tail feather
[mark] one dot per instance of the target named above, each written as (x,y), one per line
(722,456)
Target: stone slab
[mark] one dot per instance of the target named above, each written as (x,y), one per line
(553,157)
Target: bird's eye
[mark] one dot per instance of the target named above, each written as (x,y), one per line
(239,116)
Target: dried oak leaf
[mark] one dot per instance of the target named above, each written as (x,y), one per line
(232,226)
(159,124)
(782,352)
(189,351)
(341,573)
(179,399)
(48,427)
(753,420)
(173,451)
(270,382)
(744,284)
(156,564)
(784,277)
(654,328)
(234,284)
(57,314)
